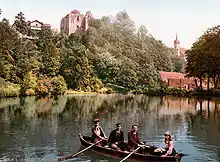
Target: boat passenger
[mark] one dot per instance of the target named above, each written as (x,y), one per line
(134,140)
(116,139)
(170,151)
(98,134)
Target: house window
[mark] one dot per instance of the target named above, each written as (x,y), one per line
(77,18)
(77,26)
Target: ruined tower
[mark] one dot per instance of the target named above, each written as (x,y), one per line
(75,21)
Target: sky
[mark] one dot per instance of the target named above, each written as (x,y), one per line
(162,18)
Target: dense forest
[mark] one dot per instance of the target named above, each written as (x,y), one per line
(112,54)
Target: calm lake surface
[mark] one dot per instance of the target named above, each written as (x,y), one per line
(45,129)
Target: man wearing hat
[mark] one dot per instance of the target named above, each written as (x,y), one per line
(116,139)
(98,134)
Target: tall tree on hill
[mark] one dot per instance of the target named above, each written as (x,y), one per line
(27,59)
(20,24)
(76,68)
(8,39)
(50,59)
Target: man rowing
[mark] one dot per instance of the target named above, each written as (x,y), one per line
(98,134)
(116,139)
(134,140)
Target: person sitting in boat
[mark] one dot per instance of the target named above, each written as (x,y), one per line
(116,139)
(134,140)
(98,134)
(169,148)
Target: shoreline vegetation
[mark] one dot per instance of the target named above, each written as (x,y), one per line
(112,56)
(14,91)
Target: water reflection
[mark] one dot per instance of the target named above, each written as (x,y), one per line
(45,128)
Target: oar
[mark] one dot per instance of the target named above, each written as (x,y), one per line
(73,155)
(130,154)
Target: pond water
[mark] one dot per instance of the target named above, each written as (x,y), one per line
(45,129)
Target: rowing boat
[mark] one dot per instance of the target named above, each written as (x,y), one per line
(149,156)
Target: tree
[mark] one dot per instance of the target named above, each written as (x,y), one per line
(178,63)
(20,24)
(8,39)
(203,58)
(142,31)
(125,58)
(27,58)
(50,59)
(75,67)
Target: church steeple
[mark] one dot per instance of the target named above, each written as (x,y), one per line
(177,45)
(176,42)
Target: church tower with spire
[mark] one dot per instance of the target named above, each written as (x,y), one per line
(177,46)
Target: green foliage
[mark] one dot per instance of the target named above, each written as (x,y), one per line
(76,68)
(59,85)
(110,52)
(50,59)
(178,63)
(8,39)
(125,58)
(203,58)
(27,59)
(44,86)
(50,86)
(20,24)
(29,84)
(10,91)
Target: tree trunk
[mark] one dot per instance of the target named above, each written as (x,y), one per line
(200,79)
(208,83)
(214,80)
(217,81)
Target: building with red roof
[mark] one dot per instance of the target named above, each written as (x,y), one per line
(177,80)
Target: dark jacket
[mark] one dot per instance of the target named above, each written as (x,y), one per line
(115,137)
(133,139)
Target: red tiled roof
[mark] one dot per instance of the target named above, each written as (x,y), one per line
(36,21)
(168,75)
(47,25)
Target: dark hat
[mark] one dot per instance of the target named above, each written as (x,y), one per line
(96,120)
(118,124)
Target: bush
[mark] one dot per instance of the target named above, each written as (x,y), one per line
(51,86)
(96,84)
(10,91)
(44,86)
(29,84)
(30,92)
(58,85)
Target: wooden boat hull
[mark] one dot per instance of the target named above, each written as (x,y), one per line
(120,154)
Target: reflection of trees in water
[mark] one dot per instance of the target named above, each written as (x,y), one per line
(205,123)
(126,108)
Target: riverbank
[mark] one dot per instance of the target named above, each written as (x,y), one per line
(14,91)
